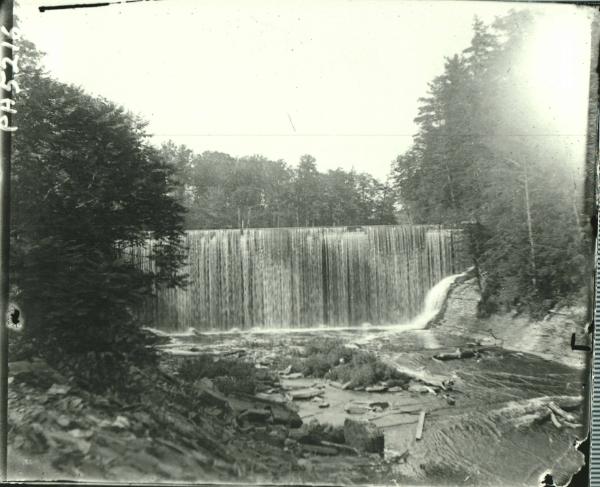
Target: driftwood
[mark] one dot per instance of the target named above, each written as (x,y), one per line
(529,419)
(528,406)
(555,421)
(561,412)
(342,448)
(419,375)
(538,410)
(393,425)
(459,354)
(420,424)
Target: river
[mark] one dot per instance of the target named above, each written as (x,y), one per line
(471,435)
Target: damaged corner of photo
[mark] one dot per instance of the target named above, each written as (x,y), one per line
(327,242)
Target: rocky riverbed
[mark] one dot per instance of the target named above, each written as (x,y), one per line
(467,411)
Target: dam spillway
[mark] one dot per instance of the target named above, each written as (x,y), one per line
(304,277)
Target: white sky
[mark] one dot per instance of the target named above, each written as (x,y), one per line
(336,79)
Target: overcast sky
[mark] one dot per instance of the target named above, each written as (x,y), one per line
(336,79)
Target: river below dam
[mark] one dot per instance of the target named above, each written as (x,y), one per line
(478,432)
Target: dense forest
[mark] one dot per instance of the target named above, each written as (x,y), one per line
(220,191)
(520,196)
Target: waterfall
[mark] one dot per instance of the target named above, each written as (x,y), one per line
(305,277)
(434,300)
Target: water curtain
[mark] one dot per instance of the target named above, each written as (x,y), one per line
(304,277)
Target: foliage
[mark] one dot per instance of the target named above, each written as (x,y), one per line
(467,167)
(86,187)
(227,375)
(324,355)
(330,358)
(220,191)
(365,369)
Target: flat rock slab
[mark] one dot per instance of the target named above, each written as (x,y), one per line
(293,376)
(301,394)
(377,388)
(357,409)
(420,388)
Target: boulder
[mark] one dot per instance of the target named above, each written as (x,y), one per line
(363,436)
(121,422)
(210,396)
(290,443)
(58,389)
(273,396)
(281,412)
(311,433)
(206,383)
(379,404)
(256,416)
(353,408)
(285,416)
(302,435)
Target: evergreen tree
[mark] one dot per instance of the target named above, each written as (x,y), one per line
(466,166)
(86,189)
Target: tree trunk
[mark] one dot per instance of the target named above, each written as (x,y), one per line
(575,209)
(530,230)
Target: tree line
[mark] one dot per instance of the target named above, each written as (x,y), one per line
(221,191)
(518,196)
(86,188)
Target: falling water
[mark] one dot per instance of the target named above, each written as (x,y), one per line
(305,277)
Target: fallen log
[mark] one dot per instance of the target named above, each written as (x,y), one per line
(561,412)
(514,409)
(303,394)
(555,421)
(536,410)
(420,375)
(342,448)
(393,425)
(528,419)
(459,354)
(319,449)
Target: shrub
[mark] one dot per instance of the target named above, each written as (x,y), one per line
(330,358)
(228,375)
(365,369)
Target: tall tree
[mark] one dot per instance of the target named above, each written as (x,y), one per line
(467,166)
(86,188)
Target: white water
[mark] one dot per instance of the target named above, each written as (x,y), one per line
(433,304)
(307,279)
(434,301)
